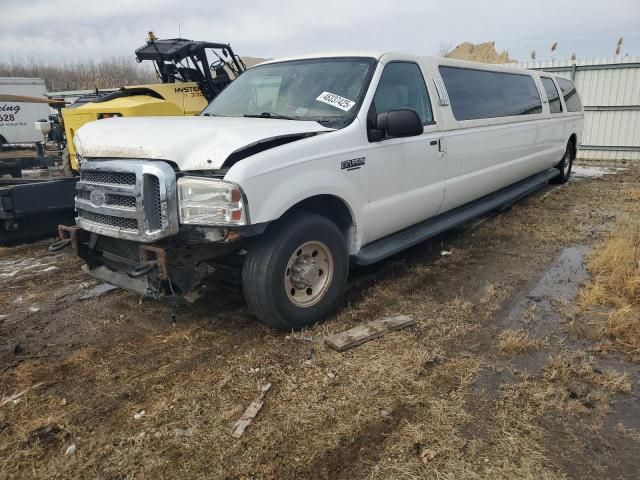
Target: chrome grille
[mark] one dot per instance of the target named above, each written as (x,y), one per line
(114,178)
(119,200)
(152,201)
(129,199)
(118,222)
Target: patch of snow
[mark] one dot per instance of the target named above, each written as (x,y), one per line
(594,172)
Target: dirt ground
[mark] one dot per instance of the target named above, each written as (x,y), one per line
(504,375)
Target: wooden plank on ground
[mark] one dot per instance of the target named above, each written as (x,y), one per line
(363,333)
(250,413)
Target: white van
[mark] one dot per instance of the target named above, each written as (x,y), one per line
(17,119)
(304,165)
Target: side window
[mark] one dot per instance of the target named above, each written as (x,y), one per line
(473,93)
(484,94)
(552,95)
(521,96)
(570,94)
(402,86)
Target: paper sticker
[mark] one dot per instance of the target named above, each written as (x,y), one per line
(336,101)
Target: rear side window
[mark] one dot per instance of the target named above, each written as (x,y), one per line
(521,96)
(482,94)
(570,94)
(402,86)
(552,95)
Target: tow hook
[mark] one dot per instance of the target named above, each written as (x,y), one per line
(141,270)
(152,257)
(67,236)
(59,245)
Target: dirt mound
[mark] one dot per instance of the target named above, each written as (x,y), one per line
(482,52)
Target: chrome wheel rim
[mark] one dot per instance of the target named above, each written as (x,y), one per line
(308,274)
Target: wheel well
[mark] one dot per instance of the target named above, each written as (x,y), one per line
(334,209)
(573,139)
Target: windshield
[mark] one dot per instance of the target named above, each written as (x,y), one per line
(326,90)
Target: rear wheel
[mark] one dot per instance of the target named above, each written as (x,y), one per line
(565,165)
(296,272)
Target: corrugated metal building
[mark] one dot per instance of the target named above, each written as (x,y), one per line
(610,91)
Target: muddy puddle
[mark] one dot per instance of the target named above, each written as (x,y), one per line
(538,311)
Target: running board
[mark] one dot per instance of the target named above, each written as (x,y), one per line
(396,242)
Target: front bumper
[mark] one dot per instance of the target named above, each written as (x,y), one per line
(174,268)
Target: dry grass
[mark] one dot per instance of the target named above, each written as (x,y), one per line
(571,384)
(514,342)
(493,297)
(614,291)
(366,413)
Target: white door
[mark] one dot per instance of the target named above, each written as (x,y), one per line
(406,175)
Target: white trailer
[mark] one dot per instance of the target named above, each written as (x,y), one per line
(17,119)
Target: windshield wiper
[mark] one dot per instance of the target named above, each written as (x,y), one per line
(269,115)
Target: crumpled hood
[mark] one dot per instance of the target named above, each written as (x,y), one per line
(193,143)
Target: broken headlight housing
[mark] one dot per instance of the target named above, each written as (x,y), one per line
(208,201)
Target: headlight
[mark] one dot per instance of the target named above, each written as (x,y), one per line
(206,201)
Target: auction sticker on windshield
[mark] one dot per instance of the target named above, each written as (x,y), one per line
(336,101)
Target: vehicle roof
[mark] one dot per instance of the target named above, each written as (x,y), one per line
(391,56)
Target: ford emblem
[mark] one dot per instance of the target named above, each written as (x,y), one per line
(98,197)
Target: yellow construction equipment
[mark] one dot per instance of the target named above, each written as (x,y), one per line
(188,82)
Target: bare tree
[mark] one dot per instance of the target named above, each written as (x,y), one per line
(109,72)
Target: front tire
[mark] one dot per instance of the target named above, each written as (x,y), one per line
(295,274)
(565,165)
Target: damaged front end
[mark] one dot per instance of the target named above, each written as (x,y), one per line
(170,268)
(128,230)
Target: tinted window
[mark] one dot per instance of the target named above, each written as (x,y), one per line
(521,96)
(402,86)
(570,94)
(473,93)
(552,95)
(481,94)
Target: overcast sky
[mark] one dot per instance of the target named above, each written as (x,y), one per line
(68,29)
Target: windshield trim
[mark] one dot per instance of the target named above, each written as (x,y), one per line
(338,124)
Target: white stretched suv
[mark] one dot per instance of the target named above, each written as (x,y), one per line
(304,165)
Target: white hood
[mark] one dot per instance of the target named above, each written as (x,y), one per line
(193,143)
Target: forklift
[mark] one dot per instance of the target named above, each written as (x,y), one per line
(31,209)
(188,82)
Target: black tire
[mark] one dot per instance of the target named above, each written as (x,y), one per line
(266,271)
(565,165)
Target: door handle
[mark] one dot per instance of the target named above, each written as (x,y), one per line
(433,142)
(441,148)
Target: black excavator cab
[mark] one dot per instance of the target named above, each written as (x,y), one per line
(179,59)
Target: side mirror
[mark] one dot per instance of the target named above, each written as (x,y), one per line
(397,123)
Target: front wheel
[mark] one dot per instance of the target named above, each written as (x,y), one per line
(295,274)
(565,165)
